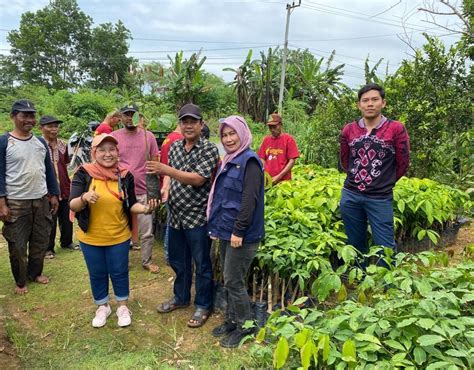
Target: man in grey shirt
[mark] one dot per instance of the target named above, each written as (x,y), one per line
(28,196)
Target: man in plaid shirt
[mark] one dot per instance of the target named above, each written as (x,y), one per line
(186,187)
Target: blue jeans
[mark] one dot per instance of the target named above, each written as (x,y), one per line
(184,245)
(356,209)
(105,262)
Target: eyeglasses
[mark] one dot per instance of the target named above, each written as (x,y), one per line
(107,151)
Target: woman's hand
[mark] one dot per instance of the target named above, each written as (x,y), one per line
(235,241)
(90,197)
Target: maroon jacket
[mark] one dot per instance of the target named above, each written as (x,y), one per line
(374,161)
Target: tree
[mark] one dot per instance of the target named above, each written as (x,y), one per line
(311,82)
(431,95)
(57,47)
(105,58)
(47,48)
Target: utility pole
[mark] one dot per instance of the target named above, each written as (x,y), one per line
(289,9)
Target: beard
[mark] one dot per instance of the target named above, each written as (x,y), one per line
(131,128)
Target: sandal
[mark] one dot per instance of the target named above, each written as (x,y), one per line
(170,305)
(154,269)
(199,318)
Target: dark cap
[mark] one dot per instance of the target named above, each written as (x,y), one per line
(23,105)
(46,120)
(190,110)
(274,119)
(129,108)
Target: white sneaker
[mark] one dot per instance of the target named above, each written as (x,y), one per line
(124,316)
(101,316)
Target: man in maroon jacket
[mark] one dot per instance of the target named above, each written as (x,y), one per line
(60,158)
(374,152)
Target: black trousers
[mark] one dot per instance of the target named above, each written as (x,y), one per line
(65,227)
(235,263)
(27,232)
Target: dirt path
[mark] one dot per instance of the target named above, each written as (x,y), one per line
(465,237)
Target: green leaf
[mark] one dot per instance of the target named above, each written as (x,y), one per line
(430,339)
(426,323)
(301,338)
(433,237)
(456,353)
(394,344)
(423,286)
(306,353)
(342,294)
(421,234)
(361,298)
(324,345)
(401,205)
(398,357)
(406,322)
(420,355)
(384,324)
(349,351)
(260,336)
(367,338)
(438,365)
(281,353)
(300,301)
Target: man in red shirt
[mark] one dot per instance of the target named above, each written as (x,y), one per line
(278,151)
(111,121)
(375,154)
(165,147)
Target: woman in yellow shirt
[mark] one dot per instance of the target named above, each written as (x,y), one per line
(103,197)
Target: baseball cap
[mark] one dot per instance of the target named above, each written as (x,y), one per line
(45,120)
(129,108)
(190,110)
(274,119)
(102,137)
(23,105)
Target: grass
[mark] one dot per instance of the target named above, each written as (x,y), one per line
(50,327)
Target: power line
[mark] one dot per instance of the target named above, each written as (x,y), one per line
(197,50)
(343,11)
(386,23)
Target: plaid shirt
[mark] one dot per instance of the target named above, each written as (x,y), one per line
(187,203)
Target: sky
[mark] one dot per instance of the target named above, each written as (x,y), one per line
(226,30)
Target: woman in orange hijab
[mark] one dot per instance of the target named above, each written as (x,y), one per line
(103,197)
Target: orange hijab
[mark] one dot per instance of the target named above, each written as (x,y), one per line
(99,172)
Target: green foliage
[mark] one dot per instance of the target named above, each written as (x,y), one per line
(106,56)
(56,47)
(304,227)
(320,141)
(430,94)
(425,207)
(256,84)
(427,326)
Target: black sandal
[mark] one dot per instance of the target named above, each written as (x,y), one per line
(200,317)
(170,305)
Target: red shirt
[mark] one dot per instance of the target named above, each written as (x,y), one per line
(165,147)
(276,152)
(103,128)
(375,160)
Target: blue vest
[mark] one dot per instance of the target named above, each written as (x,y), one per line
(228,198)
